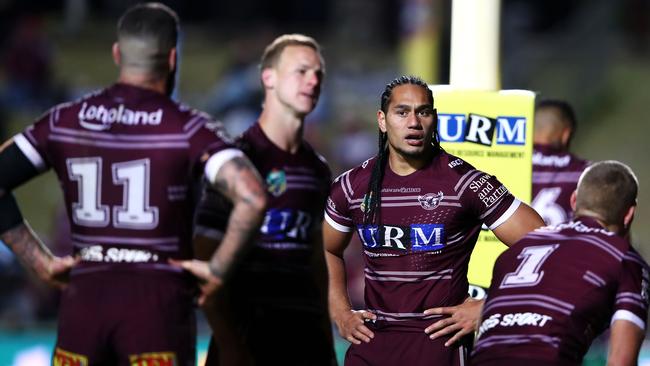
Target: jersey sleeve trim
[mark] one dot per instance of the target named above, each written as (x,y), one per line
(336,225)
(30,152)
(216,161)
(629,316)
(506,215)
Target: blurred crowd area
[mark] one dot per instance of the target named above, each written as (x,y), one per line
(592,53)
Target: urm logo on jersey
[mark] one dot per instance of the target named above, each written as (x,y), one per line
(510,130)
(414,238)
(286,224)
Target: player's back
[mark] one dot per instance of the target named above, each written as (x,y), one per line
(552,293)
(555,176)
(124,157)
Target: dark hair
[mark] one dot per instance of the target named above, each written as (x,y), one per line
(607,188)
(273,51)
(146,34)
(372,199)
(563,107)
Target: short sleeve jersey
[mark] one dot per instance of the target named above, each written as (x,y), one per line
(555,290)
(555,177)
(417,257)
(297,187)
(125,157)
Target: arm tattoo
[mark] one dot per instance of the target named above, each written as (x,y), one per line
(29,250)
(241,183)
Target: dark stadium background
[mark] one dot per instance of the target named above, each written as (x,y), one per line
(594,54)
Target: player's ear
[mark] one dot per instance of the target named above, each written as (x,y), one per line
(573,200)
(116,54)
(566,137)
(268,78)
(381,120)
(629,216)
(172,59)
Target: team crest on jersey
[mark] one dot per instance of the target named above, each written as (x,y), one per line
(153,358)
(430,201)
(276,182)
(65,358)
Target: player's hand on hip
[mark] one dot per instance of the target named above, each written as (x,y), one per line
(462,320)
(208,283)
(58,271)
(351,325)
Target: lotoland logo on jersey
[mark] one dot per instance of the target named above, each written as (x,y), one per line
(100,118)
(65,358)
(481,129)
(276,182)
(416,237)
(430,201)
(153,358)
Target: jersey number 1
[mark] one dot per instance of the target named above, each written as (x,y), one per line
(134,213)
(528,273)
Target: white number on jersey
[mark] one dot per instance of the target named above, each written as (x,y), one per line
(544,203)
(134,213)
(528,273)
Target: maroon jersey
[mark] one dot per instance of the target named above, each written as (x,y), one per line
(555,290)
(555,177)
(124,157)
(417,257)
(275,286)
(297,186)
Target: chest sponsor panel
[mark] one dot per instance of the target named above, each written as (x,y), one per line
(411,238)
(286,224)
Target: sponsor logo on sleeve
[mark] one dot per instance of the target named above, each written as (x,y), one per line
(276,182)
(66,358)
(100,117)
(487,193)
(153,359)
(455,163)
(331,204)
(430,201)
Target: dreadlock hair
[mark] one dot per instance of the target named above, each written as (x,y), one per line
(372,199)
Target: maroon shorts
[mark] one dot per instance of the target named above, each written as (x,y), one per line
(126,318)
(283,337)
(412,348)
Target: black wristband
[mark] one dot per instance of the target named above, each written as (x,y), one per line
(10,215)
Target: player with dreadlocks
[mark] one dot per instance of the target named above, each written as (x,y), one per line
(418,211)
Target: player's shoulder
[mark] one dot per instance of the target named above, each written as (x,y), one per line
(458,171)
(632,255)
(359,174)
(452,164)
(580,163)
(585,230)
(315,159)
(355,180)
